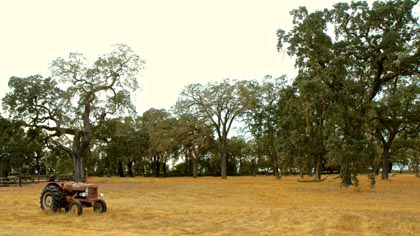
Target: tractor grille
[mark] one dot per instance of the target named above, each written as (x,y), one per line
(92,193)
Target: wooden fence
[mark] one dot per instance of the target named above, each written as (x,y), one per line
(18,181)
(9,182)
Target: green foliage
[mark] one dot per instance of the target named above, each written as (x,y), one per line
(353,105)
(76,100)
(219,104)
(342,75)
(160,127)
(20,152)
(121,147)
(195,139)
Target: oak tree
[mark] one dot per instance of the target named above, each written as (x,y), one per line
(72,104)
(353,50)
(219,104)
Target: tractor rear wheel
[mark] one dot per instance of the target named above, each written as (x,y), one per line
(76,208)
(99,206)
(51,198)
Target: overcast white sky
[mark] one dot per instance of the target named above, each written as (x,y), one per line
(182,41)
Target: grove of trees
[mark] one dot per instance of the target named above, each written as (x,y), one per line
(353,108)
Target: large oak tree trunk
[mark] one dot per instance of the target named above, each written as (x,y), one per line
(195,165)
(385,162)
(156,166)
(195,168)
(121,169)
(79,172)
(416,169)
(164,168)
(318,166)
(275,161)
(130,168)
(223,157)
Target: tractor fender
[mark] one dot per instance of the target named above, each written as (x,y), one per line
(60,186)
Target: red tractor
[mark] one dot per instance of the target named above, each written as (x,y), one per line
(72,197)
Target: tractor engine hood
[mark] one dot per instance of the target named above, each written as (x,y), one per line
(73,186)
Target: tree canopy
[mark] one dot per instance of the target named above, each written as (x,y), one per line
(73,103)
(370,47)
(351,109)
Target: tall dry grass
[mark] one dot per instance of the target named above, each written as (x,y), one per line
(236,206)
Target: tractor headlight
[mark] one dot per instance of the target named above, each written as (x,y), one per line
(101,195)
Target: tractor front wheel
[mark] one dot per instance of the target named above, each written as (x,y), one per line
(99,206)
(76,208)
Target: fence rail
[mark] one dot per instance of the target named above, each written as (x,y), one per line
(9,182)
(18,181)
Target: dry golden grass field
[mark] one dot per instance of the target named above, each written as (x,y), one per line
(236,206)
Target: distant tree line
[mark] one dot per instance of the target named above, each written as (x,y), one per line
(353,108)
